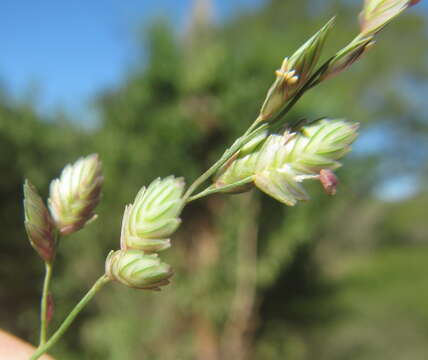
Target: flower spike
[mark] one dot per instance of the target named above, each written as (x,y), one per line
(294,73)
(75,194)
(138,270)
(378,13)
(153,217)
(281,163)
(38,223)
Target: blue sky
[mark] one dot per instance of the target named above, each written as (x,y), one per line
(68,50)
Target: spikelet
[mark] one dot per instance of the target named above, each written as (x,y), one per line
(282,162)
(38,223)
(378,13)
(348,56)
(138,270)
(153,217)
(75,194)
(293,74)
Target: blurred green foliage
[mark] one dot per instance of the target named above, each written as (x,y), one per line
(337,278)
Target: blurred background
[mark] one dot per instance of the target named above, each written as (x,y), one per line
(159,88)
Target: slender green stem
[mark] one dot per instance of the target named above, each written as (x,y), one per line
(213,189)
(70,318)
(44,303)
(252,130)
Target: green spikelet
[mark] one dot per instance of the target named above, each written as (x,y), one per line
(234,171)
(239,169)
(348,56)
(378,13)
(75,194)
(153,217)
(293,74)
(282,162)
(317,147)
(138,270)
(38,223)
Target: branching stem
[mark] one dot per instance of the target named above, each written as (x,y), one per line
(213,189)
(70,318)
(248,135)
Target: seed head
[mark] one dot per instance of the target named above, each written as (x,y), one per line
(38,223)
(348,56)
(378,13)
(293,73)
(282,162)
(75,194)
(153,217)
(138,270)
